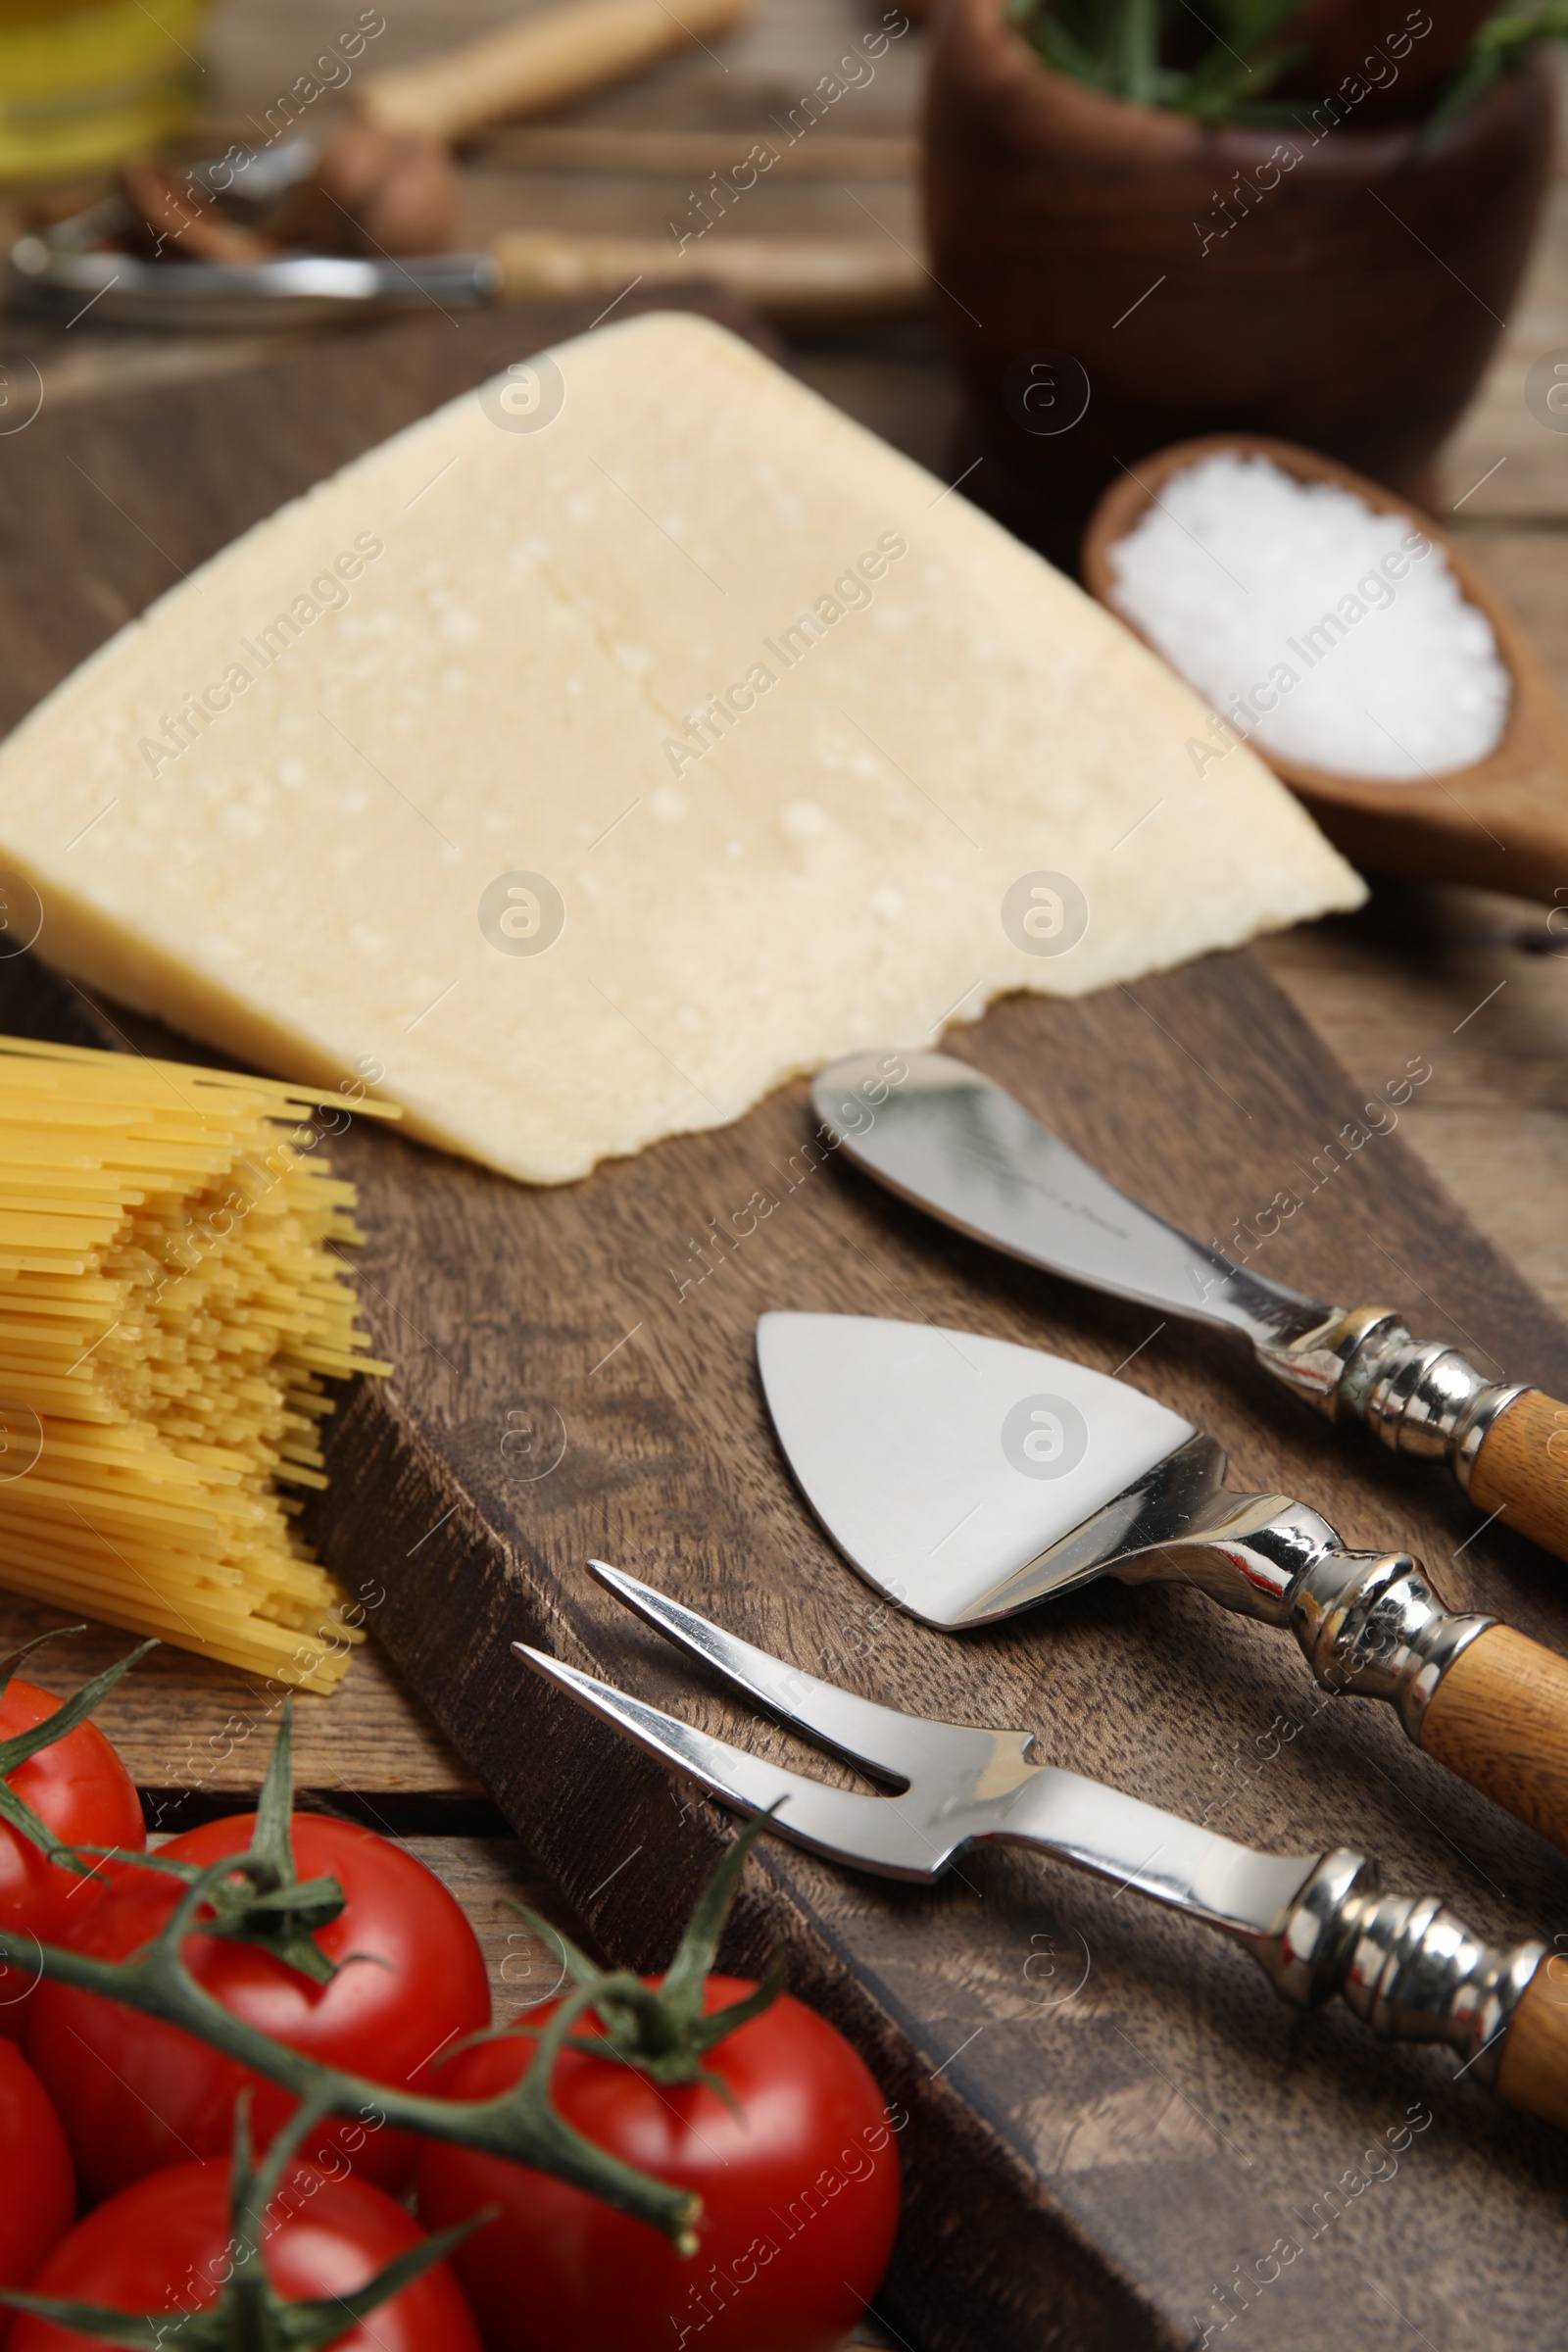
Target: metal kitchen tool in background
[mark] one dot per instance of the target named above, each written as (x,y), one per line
(955,1142)
(345,254)
(72,266)
(65,270)
(1318,1925)
(967,1478)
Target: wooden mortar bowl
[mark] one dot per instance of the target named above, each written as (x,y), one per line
(1354,307)
(1503,822)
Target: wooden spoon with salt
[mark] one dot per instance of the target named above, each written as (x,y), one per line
(1500,824)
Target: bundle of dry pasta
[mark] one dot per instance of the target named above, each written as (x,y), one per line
(171,1304)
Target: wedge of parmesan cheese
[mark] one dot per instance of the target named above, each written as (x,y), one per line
(622,739)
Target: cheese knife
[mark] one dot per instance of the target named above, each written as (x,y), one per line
(955,1142)
(967,1478)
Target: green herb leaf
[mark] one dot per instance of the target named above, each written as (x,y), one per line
(1125,48)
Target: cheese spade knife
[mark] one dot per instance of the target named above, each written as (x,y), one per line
(967,1478)
(955,1142)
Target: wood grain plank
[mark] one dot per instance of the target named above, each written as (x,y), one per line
(1502,462)
(1098,2152)
(1470,980)
(190,1729)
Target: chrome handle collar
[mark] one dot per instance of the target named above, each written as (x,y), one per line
(1379,1630)
(1418,1397)
(1368,1623)
(1406,1966)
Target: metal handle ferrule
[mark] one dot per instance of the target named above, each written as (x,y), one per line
(1412,1970)
(1370,1626)
(1421,1397)
(1368,1623)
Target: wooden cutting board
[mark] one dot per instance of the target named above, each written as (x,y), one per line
(1110,2119)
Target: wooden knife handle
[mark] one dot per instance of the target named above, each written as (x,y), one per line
(1522,1470)
(1533,2070)
(1499,1719)
(539,63)
(795,280)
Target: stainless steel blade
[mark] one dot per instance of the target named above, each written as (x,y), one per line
(964,1786)
(954,1141)
(1317,1925)
(966,1477)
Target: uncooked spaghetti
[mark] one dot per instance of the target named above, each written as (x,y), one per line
(171,1305)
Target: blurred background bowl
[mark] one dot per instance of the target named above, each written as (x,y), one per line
(1067,224)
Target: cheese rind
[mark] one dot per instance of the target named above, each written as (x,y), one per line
(779,723)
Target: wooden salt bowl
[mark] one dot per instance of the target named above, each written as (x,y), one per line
(1500,824)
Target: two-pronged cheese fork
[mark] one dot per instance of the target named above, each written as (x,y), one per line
(1318,1925)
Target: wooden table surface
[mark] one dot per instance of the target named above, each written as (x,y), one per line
(1469,980)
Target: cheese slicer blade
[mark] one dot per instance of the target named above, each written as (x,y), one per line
(968,1478)
(949,1138)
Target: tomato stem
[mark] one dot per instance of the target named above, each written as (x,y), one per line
(249,2316)
(257,1896)
(662,2030)
(15,1811)
(522,2124)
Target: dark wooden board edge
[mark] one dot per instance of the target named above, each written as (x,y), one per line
(977,2243)
(975,2239)
(978,2240)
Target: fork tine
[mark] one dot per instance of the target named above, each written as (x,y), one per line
(882,1738)
(869,1831)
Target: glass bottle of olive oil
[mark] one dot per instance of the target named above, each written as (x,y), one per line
(85,82)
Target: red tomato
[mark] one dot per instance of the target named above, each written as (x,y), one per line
(135,2095)
(37,2194)
(800,2198)
(79,1786)
(166,2246)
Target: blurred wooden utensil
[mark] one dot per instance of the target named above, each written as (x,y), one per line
(796,281)
(384,182)
(541,62)
(1503,822)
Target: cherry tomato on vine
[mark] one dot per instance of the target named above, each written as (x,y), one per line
(135,2095)
(799,2181)
(167,2245)
(79,1787)
(37,2194)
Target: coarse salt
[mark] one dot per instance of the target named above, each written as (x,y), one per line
(1324,631)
